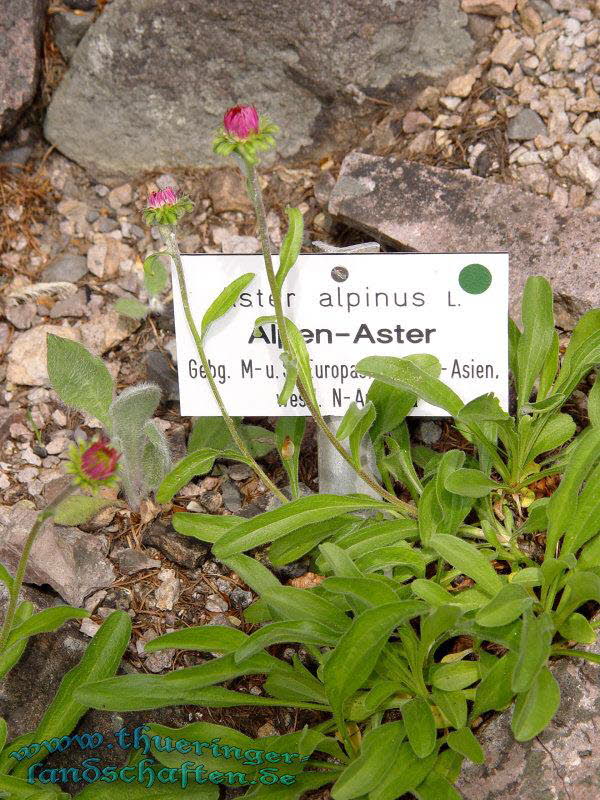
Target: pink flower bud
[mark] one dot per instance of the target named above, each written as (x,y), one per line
(99,461)
(164,197)
(241,121)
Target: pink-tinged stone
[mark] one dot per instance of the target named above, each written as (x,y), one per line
(491,8)
(27,354)
(415,121)
(21,27)
(447,211)
(72,562)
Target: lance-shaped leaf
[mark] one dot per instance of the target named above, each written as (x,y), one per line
(537,337)
(198,462)
(378,749)
(535,708)
(470,483)
(290,247)
(355,425)
(298,631)
(349,666)
(469,560)
(463,741)
(420,726)
(404,374)
(508,605)
(534,650)
(80,379)
(79,508)
(131,307)
(45,621)
(101,659)
(273,524)
(156,276)
(224,302)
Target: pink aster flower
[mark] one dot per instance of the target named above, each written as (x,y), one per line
(93,464)
(99,461)
(164,197)
(241,121)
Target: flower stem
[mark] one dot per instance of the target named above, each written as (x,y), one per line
(255,193)
(168,234)
(17,583)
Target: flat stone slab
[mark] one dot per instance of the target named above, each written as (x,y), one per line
(73,563)
(427,209)
(562,763)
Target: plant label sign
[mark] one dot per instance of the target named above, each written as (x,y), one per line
(452,306)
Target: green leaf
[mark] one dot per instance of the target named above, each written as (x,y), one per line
(350,664)
(100,660)
(469,560)
(495,691)
(51,619)
(538,333)
(456,676)
(420,726)
(453,706)
(12,655)
(19,789)
(131,307)
(594,403)
(464,742)
(78,508)
(290,603)
(582,353)
(580,587)
(576,628)
(302,361)
(205,527)
(294,545)
(212,433)
(534,650)
(535,708)
(274,524)
(560,508)
(300,631)
(290,430)
(224,302)
(403,373)
(587,655)
(199,462)
(436,787)
(291,376)
(557,430)
(253,573)
(470,483)
(378,750)
(405,774)
(290,248)
(508,605)
(146,692)
(156,276)
(3,733)
(6,577)
(205,639)
(80,379)
(156,456)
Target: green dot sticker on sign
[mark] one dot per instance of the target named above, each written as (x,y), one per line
(475,279)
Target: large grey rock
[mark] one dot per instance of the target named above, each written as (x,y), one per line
(69,29)
(21,26)
(562,763)
(151,79)
(432,210)
(73,563)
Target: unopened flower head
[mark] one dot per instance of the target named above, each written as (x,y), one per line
(166,206)
(164,197)
(93,464)
(241,121)
(244,132)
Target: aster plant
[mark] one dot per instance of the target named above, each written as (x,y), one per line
(165,208)
(92,465)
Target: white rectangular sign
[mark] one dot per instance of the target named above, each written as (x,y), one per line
(453,306)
